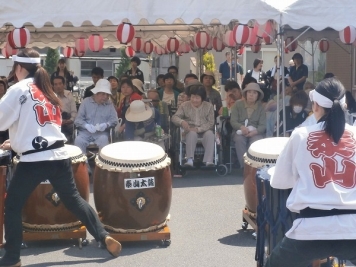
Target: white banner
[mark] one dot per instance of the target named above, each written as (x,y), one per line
(139,183)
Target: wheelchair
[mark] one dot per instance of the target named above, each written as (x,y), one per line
(180,155)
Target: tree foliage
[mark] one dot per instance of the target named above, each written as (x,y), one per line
(51,60)
(124,63)
(209,62)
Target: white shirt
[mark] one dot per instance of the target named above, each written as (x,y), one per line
(30,117)
(168,98)
(256,75)
(323,176)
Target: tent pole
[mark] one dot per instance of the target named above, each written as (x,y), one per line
(283,83)
(279,53)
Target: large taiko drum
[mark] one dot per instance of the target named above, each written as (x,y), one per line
(44,210)
(260,153)
(132,187)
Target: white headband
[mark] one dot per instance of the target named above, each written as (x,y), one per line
(323,101)
(33,60)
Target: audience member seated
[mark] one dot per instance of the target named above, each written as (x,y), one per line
(95,116)
(233,93)
(68,107)
(182,97)
(196,117)
(248,120)
(295,112)
(141,121)
(168,93)
(128,90)
(247,80)
(161,106)
(178,85)
(308,86)
(116,96)
(96,74)
(213,96)
(160,81)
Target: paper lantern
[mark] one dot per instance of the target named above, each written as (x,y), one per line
(125,32)
(293,45)
(241,34)
(323,45)
(256,48)
(193,46)
(19,38)
(184,48)
(7,51)
(241,50)
(265,29)
(172,45)
(268,40)
(96,42)
(79,53)
(253,38)
(129,51)
(159,50)
(137,44)
(68,51)
(348,35)
(81,45)
(210,44)
(229,39)
(147,47)
(218,44)
(202,39)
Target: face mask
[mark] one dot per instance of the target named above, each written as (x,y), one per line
(297,109)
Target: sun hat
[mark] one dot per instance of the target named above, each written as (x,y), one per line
(208,73)
(253,87)
(138,111)
(102,86)
(138,84)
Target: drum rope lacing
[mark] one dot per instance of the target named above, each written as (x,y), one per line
(131,165)
(129,231)
(51,227)
(262,160)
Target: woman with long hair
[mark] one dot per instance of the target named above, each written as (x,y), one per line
(63,71)
(31,112)
(319,164)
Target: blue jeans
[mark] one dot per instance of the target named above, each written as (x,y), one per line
(27,176)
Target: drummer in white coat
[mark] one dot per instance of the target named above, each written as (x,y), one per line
(319,163)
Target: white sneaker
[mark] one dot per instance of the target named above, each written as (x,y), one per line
(189,163)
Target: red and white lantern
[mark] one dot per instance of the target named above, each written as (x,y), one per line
(125,32)
(159,50)
(96,42)
(229,39)
(256,48)
(218,44)
(265,29)
(193,46)
(19,38)
(348,35)
(253,38)
(202,39)
(79,53)
(323,45)
(172,45)
(290,45)
(7,51)
(241,34)
(147,47)
(81,45)
(241,50)
(184,48)
(68,51)
(129,51)
(268,40)
(137,44)
(210,45)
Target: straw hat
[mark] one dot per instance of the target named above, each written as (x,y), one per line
(254,87)
(208,73)
(138,84)
(102,86)
(138,111)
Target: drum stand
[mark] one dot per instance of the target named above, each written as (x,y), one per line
(80,234)
(163,235)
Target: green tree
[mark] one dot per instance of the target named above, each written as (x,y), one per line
(209,62)
(51,60)
(124,63)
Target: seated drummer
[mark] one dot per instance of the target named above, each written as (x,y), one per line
(248,120)
(141,121)
(196,117)
(319,163)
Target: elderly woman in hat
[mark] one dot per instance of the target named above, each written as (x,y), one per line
(196,117)
(96,115)
(213,96)
(135,72)
(248,119)
(141,121)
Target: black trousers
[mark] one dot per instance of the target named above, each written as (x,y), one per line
(26,178)
(301,253)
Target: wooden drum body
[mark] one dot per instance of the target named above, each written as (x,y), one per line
(44,211)
(133,187)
